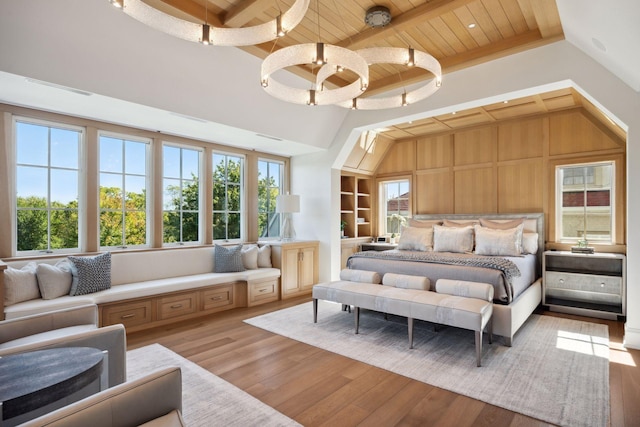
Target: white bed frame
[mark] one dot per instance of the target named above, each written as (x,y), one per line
(507,319)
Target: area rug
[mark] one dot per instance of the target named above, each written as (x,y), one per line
(206,398)
(557,370)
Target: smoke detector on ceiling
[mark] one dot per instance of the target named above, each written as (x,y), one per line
(377,16)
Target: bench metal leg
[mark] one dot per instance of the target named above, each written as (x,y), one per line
(346,307)
(410,327)
(356,314)
(478,346)
(315,310)
(490,330)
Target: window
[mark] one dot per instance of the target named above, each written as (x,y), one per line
(123,191)
(585,202)
(47,178)
(228,195)
(394,208)
(269,187)
(181,195)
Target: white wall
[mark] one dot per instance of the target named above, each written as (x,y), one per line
(543,69)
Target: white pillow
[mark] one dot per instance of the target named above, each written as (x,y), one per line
(530,243)
(416,239)
(498,242)
(250,257)
(54,280)
(20,284)
(453,239)
(264,256)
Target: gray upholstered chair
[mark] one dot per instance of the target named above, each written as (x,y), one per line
(72,327)
(154,400)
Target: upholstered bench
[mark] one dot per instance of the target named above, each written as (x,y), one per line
(460,304)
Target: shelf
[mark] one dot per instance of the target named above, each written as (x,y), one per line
(363,223)
(346,212)
(364,209)
(346,193)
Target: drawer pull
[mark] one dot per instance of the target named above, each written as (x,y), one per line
(128,316)
(176,306)
(264,290)
(561,280)
(218,298)
(602,285)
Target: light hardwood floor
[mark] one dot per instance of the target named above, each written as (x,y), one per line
(316,387)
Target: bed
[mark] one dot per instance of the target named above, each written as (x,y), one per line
(515,274)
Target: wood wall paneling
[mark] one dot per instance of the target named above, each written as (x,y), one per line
(521,187)
(401,157)
(475,191)
(521,139)
(474,146)
(434,152)
(434,192)
(572,132)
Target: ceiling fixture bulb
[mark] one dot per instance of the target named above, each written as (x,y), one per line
(377,16)
(472,25)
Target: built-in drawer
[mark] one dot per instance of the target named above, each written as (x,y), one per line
(129,314)
(177,305)
(218,297)
(584,287)
(262,292)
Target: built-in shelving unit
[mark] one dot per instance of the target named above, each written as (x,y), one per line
(356,205)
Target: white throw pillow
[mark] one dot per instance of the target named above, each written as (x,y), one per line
(530,243)
(54,280)
(250,257)
(499,242)
(264,257)
(20,284)
(453,239)
(416,239)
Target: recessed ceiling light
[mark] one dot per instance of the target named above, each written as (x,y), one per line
(454,112)
(505,102)
(472,25)
(598,44)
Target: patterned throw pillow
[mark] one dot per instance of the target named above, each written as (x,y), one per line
(90,274)
(227,259)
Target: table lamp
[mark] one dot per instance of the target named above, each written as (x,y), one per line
(286,204)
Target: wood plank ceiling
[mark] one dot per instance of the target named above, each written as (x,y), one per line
(459,33)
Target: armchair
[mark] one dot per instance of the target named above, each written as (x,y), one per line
(155,399)
(72,327)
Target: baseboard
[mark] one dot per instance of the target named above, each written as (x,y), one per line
(631,338)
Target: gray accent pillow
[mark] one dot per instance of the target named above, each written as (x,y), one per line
(20,284)
(90,274)
(227,259)
(54,280)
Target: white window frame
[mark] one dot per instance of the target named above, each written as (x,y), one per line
(559,201)
(382,210)
(80,190)
(148,186)
(243,194)
(281,191)
(201,215)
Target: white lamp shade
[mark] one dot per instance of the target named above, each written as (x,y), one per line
(288,203)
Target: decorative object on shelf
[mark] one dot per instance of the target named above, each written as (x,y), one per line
(334,59)
(287,204)
(343,224)
(583,245)
(392,239)
(206,34)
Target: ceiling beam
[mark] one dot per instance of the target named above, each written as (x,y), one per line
(518,43)
(244,11)
(196,10)
(424,12)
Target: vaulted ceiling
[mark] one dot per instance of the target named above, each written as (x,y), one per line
(459,33)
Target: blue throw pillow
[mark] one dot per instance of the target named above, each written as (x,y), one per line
(227,259)
(90,274)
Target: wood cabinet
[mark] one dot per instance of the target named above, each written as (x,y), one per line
(349,247)
(586,284)
(356,205)
(298,264)
(262,292)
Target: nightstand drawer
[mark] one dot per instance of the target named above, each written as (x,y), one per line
(584,287)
